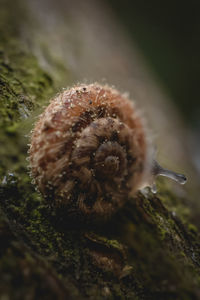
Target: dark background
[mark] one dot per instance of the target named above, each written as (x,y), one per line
(168,35)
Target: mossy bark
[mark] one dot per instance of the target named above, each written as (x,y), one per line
(148,250)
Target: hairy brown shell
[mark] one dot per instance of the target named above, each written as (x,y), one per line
(88,150)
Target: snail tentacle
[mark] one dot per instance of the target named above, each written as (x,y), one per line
(89,150)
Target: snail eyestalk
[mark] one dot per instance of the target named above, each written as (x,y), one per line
(157,170)
(90,152)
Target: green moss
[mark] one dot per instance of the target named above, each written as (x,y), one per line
(24,86)
(192,228)
(182,206)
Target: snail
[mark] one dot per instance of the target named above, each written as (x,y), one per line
(90,152)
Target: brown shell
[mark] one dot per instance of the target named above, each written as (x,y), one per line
(88,150)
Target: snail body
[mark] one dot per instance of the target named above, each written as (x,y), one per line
(89,151)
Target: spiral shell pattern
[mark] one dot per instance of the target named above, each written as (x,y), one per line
(88,150)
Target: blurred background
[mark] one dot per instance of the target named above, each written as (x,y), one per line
(168,35)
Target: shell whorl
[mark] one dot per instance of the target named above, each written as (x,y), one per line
(88,150)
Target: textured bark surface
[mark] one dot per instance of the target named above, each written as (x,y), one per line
(148,250)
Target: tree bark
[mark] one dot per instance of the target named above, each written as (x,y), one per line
(148,250)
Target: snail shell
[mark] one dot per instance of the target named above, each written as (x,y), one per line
(89,150)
